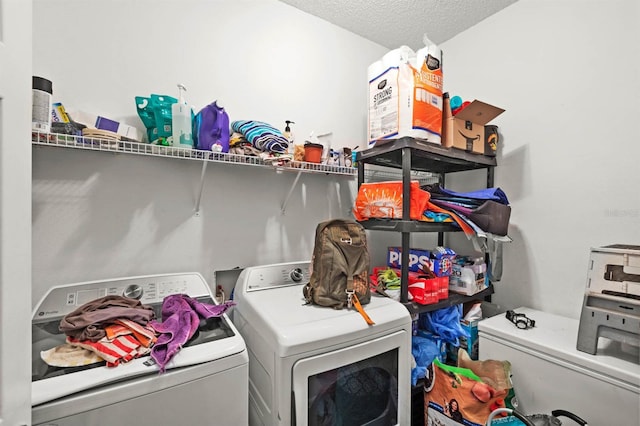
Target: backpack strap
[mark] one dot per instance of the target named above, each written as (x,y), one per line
(353,299)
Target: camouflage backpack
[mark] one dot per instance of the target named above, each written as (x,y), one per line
(340,267)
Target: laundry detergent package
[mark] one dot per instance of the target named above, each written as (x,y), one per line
(212,128)
(155,114)
(405,95)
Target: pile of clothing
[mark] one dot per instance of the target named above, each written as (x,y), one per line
(256,138)
(484,211)
(116,329)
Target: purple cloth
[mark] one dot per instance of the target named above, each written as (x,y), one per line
(180,319)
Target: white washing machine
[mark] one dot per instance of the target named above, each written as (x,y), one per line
(311,365)
(205,383)
(550,373)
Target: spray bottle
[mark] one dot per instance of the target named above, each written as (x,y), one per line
(181,121)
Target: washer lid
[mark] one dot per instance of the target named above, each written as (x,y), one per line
(281,316)
(555,337)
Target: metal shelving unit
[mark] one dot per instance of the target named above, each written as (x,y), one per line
(410,156)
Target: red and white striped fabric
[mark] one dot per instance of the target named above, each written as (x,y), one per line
(120,327)
(121,349)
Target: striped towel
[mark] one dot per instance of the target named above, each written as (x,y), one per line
(121,349)
(261,135)
(121,327)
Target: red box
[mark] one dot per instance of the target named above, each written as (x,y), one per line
(443,287)
(425,291)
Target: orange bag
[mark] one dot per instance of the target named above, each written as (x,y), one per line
(454,395)
(383,200)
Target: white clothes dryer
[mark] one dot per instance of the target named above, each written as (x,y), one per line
(205,382)
(550,373)
(312,365)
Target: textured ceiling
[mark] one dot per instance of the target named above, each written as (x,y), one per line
(393,23)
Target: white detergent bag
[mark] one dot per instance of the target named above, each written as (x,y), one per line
(405,95)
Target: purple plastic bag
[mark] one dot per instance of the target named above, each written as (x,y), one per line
(212,128)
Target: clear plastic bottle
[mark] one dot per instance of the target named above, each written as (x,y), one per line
(181,121)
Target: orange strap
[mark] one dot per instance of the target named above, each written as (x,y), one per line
(360,309)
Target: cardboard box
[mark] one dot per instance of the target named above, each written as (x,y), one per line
(95,121)
(439,260)
(468,279)
(417,258)
(465,130)
(468,344)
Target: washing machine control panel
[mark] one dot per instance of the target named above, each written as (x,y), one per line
(274,276)
(150,289)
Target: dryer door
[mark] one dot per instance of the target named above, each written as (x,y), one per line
(365,384)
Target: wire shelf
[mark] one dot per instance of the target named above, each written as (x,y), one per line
(380,175)
(372,174)
(138,148)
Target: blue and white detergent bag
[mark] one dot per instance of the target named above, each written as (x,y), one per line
(211,129)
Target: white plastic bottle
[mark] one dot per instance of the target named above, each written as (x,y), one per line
(181,122)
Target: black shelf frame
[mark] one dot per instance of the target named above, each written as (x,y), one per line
(453,299)
(409,154)
(424,156)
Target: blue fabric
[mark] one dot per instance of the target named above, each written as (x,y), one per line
(495,194)
(424,351)
(445,323)
(437,217)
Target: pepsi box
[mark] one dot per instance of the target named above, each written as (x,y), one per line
(417,258)
(438,260)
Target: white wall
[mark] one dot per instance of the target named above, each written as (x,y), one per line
(99,215)
(565,71)
(567,74)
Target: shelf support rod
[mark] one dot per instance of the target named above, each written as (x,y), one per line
(406,216)
(441,179)
(199,197)
(293,185)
